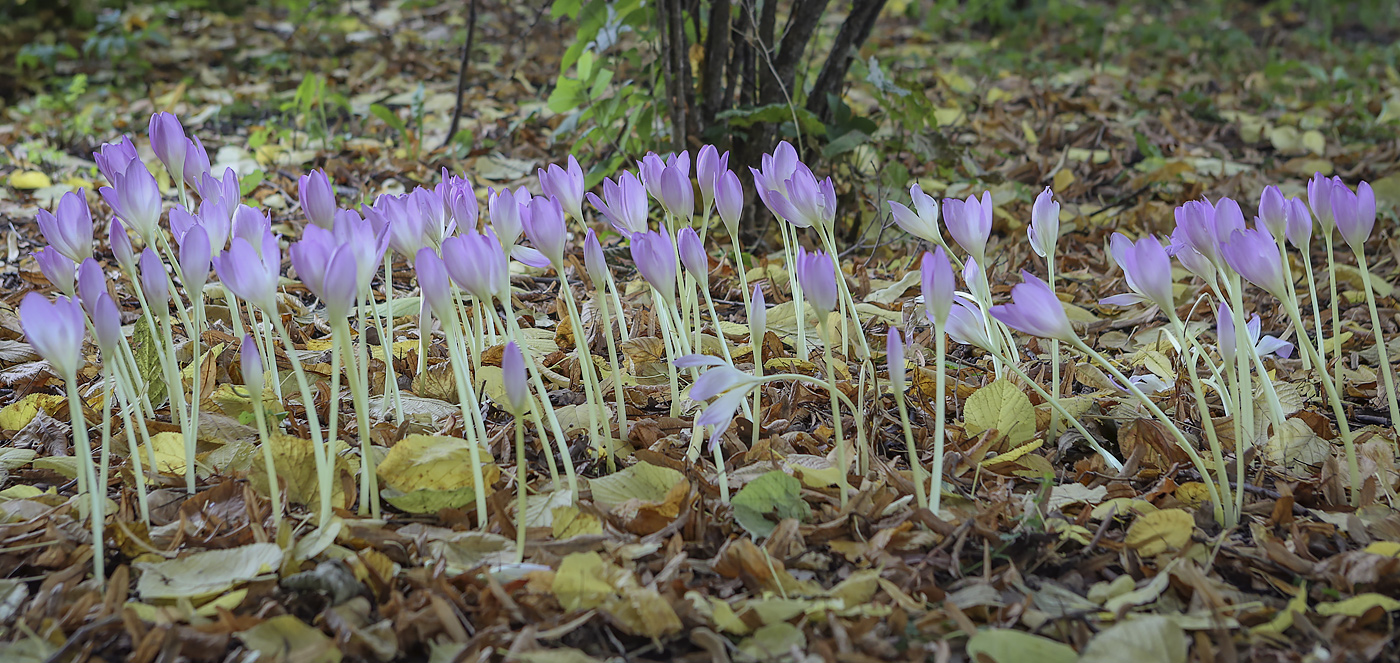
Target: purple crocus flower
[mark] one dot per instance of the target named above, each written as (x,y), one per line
(195,256)
(405,231)
(167,137)
(652,167)
(181,220)
(806,202)
(251,273)
(1273,212)
(1263,346)
(624,203)
(655,258)
(1194,261)
(936,275)
(428,204)
(1298,228)
(1146,268)
(1253,254)
(365,244)
(465,210)
(710,167)
(113,158)
(135,197)
(250,361)
(773,173)
(507,210)
(311,254)
(894,358)
(217,218)
(677,194)
(1035,310)
(693,256)
(566,185)
(434,283)
(729,200)
(69,228)
(1044,230)
(1354,213)
(544,225)
(593,261)
(120,243)
(758,320)
(1320,200)
(106,323)
(970,223)
(55,331)
(514,376)
(967,325)
(196,162)
(153,280)
(57,268)
(478,264)
(1195,228)
(721,379)
(91,283)
(922,221)
(317,198)
(817,276)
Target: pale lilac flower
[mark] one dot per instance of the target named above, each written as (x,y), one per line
(478,264)
(565,185)
(729,200)
(365,244)
(507,210)
(120,243)
(250,273)
(106,324)
(462,204)
(91,283)
(693,255)
(1354,214)
(976,284)
(250,361)
(593,260)
(196,162)
(1044,230)
(894,358)
(113,158)
(69,228)
(1299,227)
(1253,255)
(58,269)
(655,258)
(153,280)
(135,198)
(195,256)
(217,218)
(317,198)
(1263,346)
(181,220)
(55,331)
(514,376)
(1035,310)
(970,223)
(405,230)
(168,142)
(710,167)
(936,275)
(226,188)
(722,379)
(544,225)
(817,276)
(434,283)
(1320,200)
(968,326)
(624,203)
(1194,261)
(758,321)
(1273,213)
(1146,268)
(428,204)
(922,221)
(652,167)
(774,172)
(677,194)
(252,225)
(806,202)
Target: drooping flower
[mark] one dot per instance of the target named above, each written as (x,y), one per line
(970,223)
(55,331)
(720,379)
(317,198)
(624,203)
(1253,255)
(655,257)
(58,269)
(1044,230)
(69,228)
(1035,310)
(936,275)
(922,221)
(565,185)
(805,202)
(1354,213)
(1146,268)
(817,276)
(513,374)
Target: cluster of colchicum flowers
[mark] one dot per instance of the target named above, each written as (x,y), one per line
(462,262)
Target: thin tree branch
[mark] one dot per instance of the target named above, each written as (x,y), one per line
(462,74)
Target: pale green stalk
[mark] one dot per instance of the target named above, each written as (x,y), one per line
(1054,352)
(1335,305)
(274,490)
(133,447)
(618,392)
(940,344)
(1338,411)
(1245,393)
(333,409)
(920,497)
(837,435)
(520,496)
(96,493)
(324,467)
(790,263)
(513,329)
(1317,315)
(177,398)
(596,414)
(104,450)
(1292,288)
(386,340)
(469,414)
(1203,411)
(362,410)
(369,493)
(1386,371)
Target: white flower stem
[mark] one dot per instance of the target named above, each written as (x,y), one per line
(1203,411)
(269,463)
(1338,411)
(325,467)
(940,344)
(619,393)
(513,328)
(837,437)
(96,493)
(520,495)
(470,415)
(1335,305)
(598,429)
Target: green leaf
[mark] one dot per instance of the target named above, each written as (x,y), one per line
(144,346)
(773,113)
(1002,645)
(389,117)
(847,142)
(248,182)
(567,95)
(773,493)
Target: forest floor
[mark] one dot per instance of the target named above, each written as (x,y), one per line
(1124,113)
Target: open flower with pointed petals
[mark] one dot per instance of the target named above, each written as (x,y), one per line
(317,198)
(251,273)
(55,331)
(195,256)
(710,167)
(721,379)
(565,185)
(1354,213)
(624,203)
(225,187)
(655,257)
(513,375)
(936,276)
(1253,255)
(1320,200)
(807,202)
(167,137)
(478,264)
(113,158)
(1146,268)
(729,200)
(693,255)
(365,244)
(196,162)
(69,228)
(58,269)
(652,167)
(922,221)
(428,205)
(1263,345)
(970,223)
(816,274)
(135,198)
(1044,230)
(773,173)
(405,230)
(1298,229)
(1273,211)
(1035,310)
(968,326)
